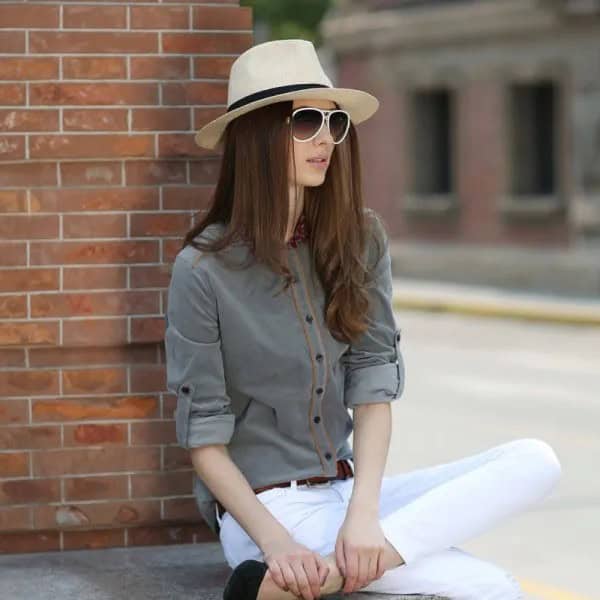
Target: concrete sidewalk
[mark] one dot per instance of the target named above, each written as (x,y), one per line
(494,302)
(174,572)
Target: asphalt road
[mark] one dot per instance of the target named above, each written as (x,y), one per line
(472,383)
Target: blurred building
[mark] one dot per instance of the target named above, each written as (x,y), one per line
(484,156)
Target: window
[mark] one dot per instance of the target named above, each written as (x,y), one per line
(432,143)
(532,138)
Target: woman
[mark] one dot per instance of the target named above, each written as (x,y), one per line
(279,320)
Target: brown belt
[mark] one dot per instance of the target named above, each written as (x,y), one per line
(344,470)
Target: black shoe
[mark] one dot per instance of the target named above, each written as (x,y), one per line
(245,580)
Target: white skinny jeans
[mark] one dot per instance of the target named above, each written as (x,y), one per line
(424,514)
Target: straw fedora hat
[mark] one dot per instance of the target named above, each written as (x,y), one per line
(281,70)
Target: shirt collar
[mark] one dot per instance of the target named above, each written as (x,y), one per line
(300,233)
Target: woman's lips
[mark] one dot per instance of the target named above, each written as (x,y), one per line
(318,164)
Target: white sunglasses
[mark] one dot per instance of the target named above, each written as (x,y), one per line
(307,122)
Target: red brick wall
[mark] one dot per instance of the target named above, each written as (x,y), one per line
(99,179)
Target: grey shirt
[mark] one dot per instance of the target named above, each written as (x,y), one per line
(262,374)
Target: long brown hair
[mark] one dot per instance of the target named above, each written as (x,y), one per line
(251,200)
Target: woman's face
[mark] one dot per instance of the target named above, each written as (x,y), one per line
(322,145)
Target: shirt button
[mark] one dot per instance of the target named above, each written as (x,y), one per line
(319,390)
(309,318)
(398,336)
(185,389)
(319,357)
(317,419)
(328,456)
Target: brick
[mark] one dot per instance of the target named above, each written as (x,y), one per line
(29,280)
(147,329)
(96,514)
(14,464)
(12,147)
(32,227)
(11,357)
(12,94)
(76,226)
(25,542)
(94,67)
(28,68)
(212,66)
(90,146)
(161,484)
(95,303)
(65,356)
(81,409)
(172,145)
(56,253)
(161,119)
(27,174)
(148,378)
(181,509)
(153,432)
(89,278)
(28,491)
(35,16)
(150,276)
(90,173)
(13,307)
(13,412)
(11,518)
(160,67)
(93,540)
(12,42)
(102,487)
(94,42)
(160,17)
(195,92)
(26,438)
(89,119)
(29,334)
(97,332)
(35,541)
(13,254)
(97,199)
(94,381)
(155,172)
(170,534)
(94,17)
(12,200)
(206,43)
(144,225)
(95,434)
(193,197)
(176,458)
(84,461)
(31,382)
(28,120)
(221,17)
(97,93)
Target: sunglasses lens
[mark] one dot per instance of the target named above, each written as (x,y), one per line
(307,122)
(338,123)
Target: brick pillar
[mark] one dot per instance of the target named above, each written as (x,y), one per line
(99,180)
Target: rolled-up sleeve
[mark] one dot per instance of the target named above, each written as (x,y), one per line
(194,362)
(373,364)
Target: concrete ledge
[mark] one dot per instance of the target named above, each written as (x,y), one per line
(182,571)
(493,302)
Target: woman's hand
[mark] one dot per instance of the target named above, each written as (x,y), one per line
(296,568)
(359,550)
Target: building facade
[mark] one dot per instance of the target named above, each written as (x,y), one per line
(484,156)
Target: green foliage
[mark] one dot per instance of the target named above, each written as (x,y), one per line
(289,19)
